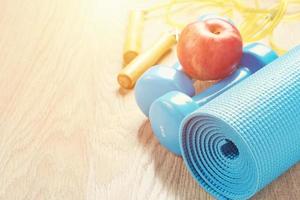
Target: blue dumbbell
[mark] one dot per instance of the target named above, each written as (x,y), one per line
(167,112)
(158,81)
(214,16)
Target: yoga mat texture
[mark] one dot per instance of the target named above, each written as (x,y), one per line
(242,140)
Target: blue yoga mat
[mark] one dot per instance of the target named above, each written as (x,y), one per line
(242,140)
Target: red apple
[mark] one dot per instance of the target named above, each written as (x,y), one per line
(210,49)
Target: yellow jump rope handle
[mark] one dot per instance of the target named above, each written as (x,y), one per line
(129,75)
(133,41)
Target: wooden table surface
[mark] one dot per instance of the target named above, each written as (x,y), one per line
(66,129)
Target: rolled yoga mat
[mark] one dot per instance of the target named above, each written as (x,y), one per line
(242,140)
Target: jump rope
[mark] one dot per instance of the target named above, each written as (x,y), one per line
(257,23)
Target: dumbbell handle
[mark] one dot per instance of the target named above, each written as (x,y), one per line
(218,88)
(179,67)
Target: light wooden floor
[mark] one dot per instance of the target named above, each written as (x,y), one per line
(66,130)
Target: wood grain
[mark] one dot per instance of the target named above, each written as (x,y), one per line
(67,130)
